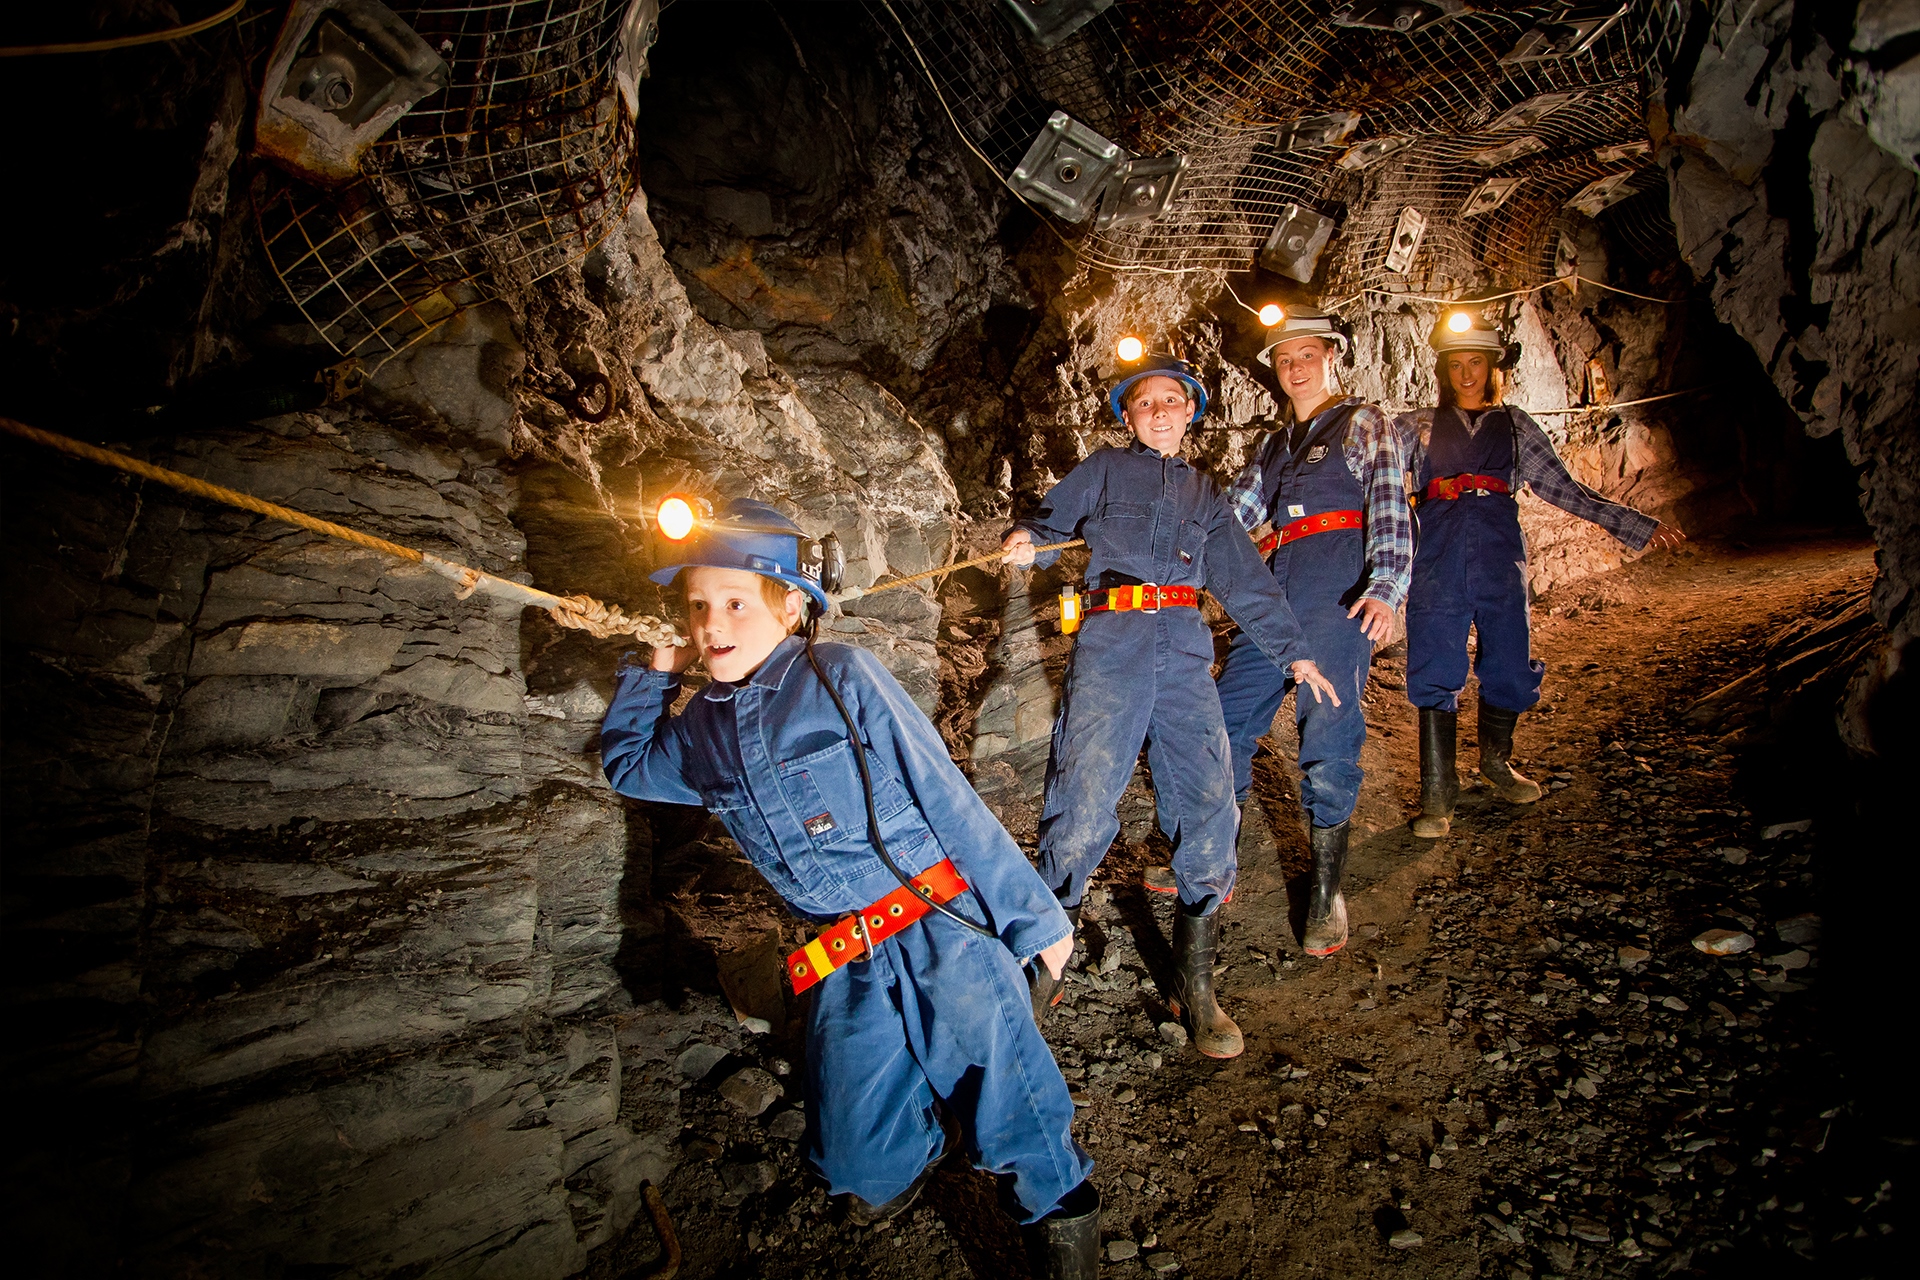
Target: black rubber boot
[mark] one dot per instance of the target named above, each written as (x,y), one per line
(1196,946)
(1496,749)
(862,1214)
(1326,907)
(1439,775)
(1065,1245)
(1048,989)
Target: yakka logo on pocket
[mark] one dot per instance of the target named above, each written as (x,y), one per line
(819,824)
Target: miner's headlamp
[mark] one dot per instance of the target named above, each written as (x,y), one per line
(1130,349)
(752,536)
(675,518)
(1463,330)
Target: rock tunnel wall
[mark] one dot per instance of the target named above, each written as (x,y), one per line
(328,945)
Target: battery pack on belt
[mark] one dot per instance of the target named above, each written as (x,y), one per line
(847,940)
(1146,597)
(1451,487)
(1325,522)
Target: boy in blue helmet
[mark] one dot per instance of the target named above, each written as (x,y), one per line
(1158,531)
(929,909)
(1332,484)
(1469,457)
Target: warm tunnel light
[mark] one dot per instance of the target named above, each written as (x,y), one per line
(1131,348)
(1271,314)
(675,518)
(1459,322)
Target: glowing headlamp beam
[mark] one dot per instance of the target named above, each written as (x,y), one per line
(1131,348)
(1459,322)
(675,518)
(1271,315)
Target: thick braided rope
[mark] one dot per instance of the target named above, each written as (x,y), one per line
(583,613)
(992,557)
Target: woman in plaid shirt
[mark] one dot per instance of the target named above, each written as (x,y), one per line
(1468,458)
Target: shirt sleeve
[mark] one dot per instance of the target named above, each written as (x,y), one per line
(1246,589)
(1069,502)
(1413,450)
(1021,909)
(1247,495)
(639,751)
(1376,456)
(1536,464)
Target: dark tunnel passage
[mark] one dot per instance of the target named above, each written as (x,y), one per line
(330,950)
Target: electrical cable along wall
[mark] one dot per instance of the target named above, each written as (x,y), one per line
(510,156)
(1442,155)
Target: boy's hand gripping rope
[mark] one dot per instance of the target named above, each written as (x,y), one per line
(583,613)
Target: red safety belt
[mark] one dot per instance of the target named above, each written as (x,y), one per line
(1325,522)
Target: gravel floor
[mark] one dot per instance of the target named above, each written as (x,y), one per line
(1523,1065)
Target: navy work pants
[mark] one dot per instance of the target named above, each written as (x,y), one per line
(1252,689)
(1134,678)
(937,1012)
(1471,571)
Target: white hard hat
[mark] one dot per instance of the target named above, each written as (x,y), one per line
(1465,331)
(1304,322)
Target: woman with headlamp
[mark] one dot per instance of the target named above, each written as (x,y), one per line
(1468,458)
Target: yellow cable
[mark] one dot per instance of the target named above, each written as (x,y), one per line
(124,42)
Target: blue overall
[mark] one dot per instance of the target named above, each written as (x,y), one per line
(939,1011)
(1147,677)
(1470,569)
(1322,575)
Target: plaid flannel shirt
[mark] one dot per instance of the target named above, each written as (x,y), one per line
(1535,463)
(1375,453)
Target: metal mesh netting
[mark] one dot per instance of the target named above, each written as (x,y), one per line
(1222,81)
(521,164)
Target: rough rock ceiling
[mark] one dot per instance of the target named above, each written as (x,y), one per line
(1276,105)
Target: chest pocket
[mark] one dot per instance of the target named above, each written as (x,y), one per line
(1123,531)
(1190,551)
(729,800)
(824,790)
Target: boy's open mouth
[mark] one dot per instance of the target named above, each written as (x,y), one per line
(719,650)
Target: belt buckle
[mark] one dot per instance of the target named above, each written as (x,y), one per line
(1479,493)
(1144,588)
(866,939)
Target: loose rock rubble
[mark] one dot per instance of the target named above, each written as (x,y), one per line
(1523,1064)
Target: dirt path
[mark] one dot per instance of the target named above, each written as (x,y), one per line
(1520,1066)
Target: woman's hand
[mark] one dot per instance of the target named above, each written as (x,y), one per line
(673,658)
(1055,957)
(1665,537)
(1019,548)
(1308,675)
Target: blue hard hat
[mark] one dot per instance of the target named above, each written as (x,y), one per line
(1159,366)
(752,536)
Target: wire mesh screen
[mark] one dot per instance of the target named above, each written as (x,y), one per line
(1487,149)
(519,165)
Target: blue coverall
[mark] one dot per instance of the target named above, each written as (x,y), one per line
(939,1010)
(1470,570)
(1147,677)
(1322,575)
